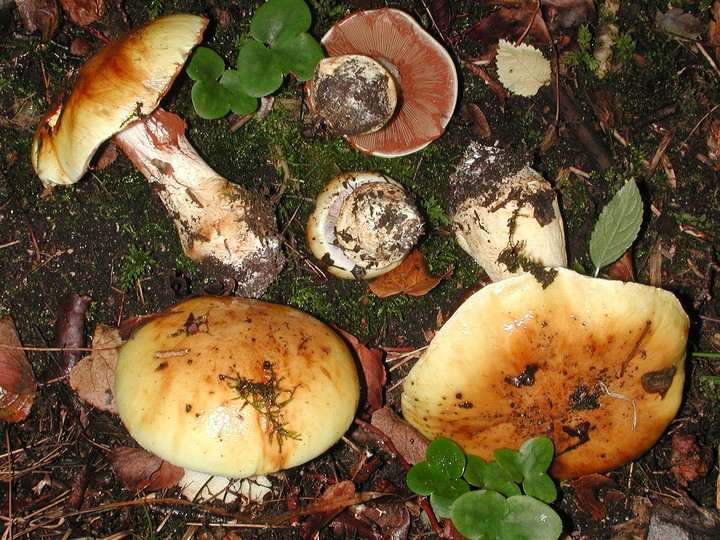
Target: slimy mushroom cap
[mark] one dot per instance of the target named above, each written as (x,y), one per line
(595,365)
(236,387)
(123,82)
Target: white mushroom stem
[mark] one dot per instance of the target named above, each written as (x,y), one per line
(201,487)
(506,215)
(222,226)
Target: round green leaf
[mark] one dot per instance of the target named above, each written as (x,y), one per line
(210,99)
(423,478)
(475,471)
(540,486)
(298,54)
(530,518)
(259,73)
(537,454)
(446,456)
(205,65)
(447,493)
(511,463)
(280,17)
(478,514)
(496,478)
(240,101)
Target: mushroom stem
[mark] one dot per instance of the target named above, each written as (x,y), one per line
(222,226)
(505,215)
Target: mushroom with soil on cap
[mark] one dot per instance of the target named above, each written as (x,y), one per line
(363,225)
(595,365)
(421,70)
(235,387)
(222,226)
(504,214)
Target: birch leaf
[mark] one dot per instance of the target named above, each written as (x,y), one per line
(617,226)
(522,69)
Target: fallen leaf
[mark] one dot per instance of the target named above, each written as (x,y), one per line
(373,368)
(93,377)
(139,470)
(42,16)
(17,380)
(676,21)
(69,334)
(560,16)
(319,519)
(408,441)
(522,69)
(509,22)
(478,121)
(587,494)
(688,460)
(84,12)
(622,269)
(411,277)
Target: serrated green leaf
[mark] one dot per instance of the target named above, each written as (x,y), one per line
(617,226)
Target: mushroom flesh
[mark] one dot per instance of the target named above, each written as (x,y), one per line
(236,387)
(224,227)
(353,94)
(504,214)
(423,71)
(363,225)
(595,365)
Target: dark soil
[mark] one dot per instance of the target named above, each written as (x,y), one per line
(652,117)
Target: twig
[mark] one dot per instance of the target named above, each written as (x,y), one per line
(624,398)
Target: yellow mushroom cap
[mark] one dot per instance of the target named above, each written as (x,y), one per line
(595,365)
(236,387)
(123,82)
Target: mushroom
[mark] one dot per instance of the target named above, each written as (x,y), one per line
(363,225)
(504,214)
(353,94)
(222,226)
(595,365)
(235,387)
(422,69)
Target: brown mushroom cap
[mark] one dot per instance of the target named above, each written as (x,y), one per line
(423,70)
(123,82)
(596,365)
(236,387)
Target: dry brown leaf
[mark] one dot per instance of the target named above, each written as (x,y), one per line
(93,378)
(478,121)
(411,277)
(622,269)
(84,12)
(42,16)
(408,441)
(17,380)
(371,361)
(139,470)
(689,461)
(587,494)
(318,520)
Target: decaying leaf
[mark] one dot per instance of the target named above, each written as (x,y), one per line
(69,335)
(587,494)
(478,121)
(689,461)
(41,16)
(17,381)
(411,277)
(676,21)
(510,22)
(318,520)
(93,378)
(408,441)
(139,470)
(84,12)
(522,69)
(371,361)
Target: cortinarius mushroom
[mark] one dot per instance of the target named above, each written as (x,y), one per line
(363,225)
(596,365)
(236,387)
(222,226)
(505,215)
(423,71)
(353,94)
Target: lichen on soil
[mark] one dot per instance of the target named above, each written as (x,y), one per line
(81,239)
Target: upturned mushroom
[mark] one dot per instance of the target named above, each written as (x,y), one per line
(224,227)
(235,387)
(504,214)
(423,72)
(363,225)
(353,94)
(595,365)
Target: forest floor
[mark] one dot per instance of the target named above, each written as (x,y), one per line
(653,115)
